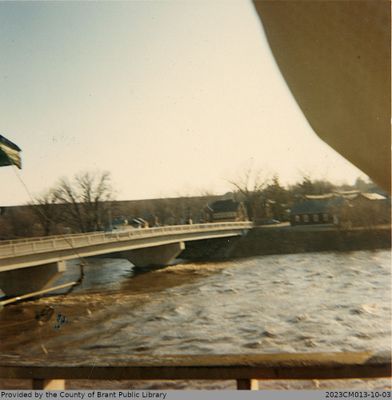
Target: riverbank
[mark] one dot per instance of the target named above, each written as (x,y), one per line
(269,240)
(291,240)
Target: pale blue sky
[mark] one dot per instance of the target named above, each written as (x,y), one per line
(171,97)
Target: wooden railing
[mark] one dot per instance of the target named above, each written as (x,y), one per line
(247,370)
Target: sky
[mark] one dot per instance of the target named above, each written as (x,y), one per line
(171,97)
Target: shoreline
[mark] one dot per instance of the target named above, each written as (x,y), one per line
(272,240)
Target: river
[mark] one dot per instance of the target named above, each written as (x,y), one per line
(308,302)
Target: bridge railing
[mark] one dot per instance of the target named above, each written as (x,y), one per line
(61,242)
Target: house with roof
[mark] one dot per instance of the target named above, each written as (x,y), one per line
(342,208)
(368,209)
(322,209)
(226,210)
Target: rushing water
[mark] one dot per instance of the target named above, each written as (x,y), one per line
(283,303)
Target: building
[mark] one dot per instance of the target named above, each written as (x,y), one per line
(226,210)
(345,209)
(367,209)
(316,210)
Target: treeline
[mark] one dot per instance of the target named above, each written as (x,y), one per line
(86,203)
(268,198)
(77,205)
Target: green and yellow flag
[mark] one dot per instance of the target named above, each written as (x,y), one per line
(9,153)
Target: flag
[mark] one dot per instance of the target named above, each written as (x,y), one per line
(9,153)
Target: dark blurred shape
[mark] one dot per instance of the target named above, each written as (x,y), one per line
(45,314)
(335,58)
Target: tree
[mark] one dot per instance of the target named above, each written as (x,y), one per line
(310,187)
(162,209)
(86,200)
(47,211)
(20,222)
(277,196)
(249,187)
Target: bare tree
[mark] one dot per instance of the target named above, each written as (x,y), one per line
(162,209)
(86,200)
(249,187)
(47,211)
(20,222)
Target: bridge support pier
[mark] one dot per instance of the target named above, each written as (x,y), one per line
(26,280)
(154,256)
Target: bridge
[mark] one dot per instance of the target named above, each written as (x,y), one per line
(31,264)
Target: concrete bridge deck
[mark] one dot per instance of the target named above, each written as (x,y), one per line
(35,251)
(30,264)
